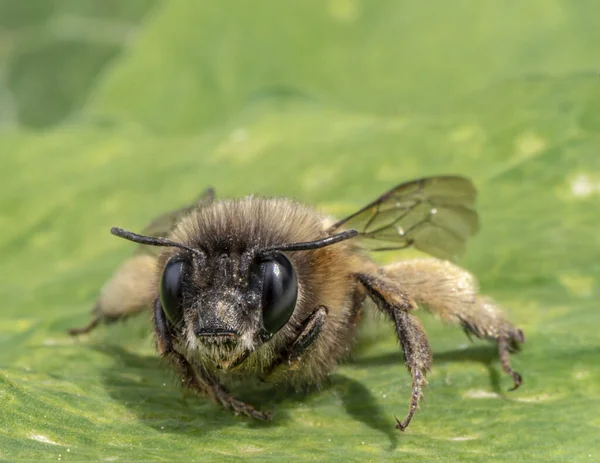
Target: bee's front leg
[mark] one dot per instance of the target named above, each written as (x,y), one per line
(310,332)
(202,382)
(196,378)
(417,353)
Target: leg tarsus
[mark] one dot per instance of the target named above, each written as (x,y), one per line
(97,317)
(504,344)
(417,355)
(203,383)
(94,322)
(229,402)
(417,394)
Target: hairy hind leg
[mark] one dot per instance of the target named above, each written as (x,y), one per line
(451,293)
(128,292)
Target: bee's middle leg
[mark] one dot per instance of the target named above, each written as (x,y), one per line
(417,353)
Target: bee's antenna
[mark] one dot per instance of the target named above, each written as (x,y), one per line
(308,245)
(151,241)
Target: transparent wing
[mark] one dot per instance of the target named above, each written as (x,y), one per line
(162,225)
(435,215)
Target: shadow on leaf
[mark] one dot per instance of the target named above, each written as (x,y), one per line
(362,406)
(486,355)
(147,386)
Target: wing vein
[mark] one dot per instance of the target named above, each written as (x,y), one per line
(407,215)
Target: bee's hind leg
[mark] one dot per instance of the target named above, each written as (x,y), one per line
(417,353)
(92,324)
(128,292)
(451,293)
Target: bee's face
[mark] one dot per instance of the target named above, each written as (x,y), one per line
(228,300)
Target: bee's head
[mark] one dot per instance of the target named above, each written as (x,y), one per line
(228,298)
(223,301)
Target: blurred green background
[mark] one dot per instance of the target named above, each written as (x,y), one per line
(113,111)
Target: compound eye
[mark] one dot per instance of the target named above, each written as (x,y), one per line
(170,291)
(279,292)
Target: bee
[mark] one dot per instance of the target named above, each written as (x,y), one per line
(270,289)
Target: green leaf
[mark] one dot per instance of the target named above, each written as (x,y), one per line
(529,142)
(208,58)
(52,53)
